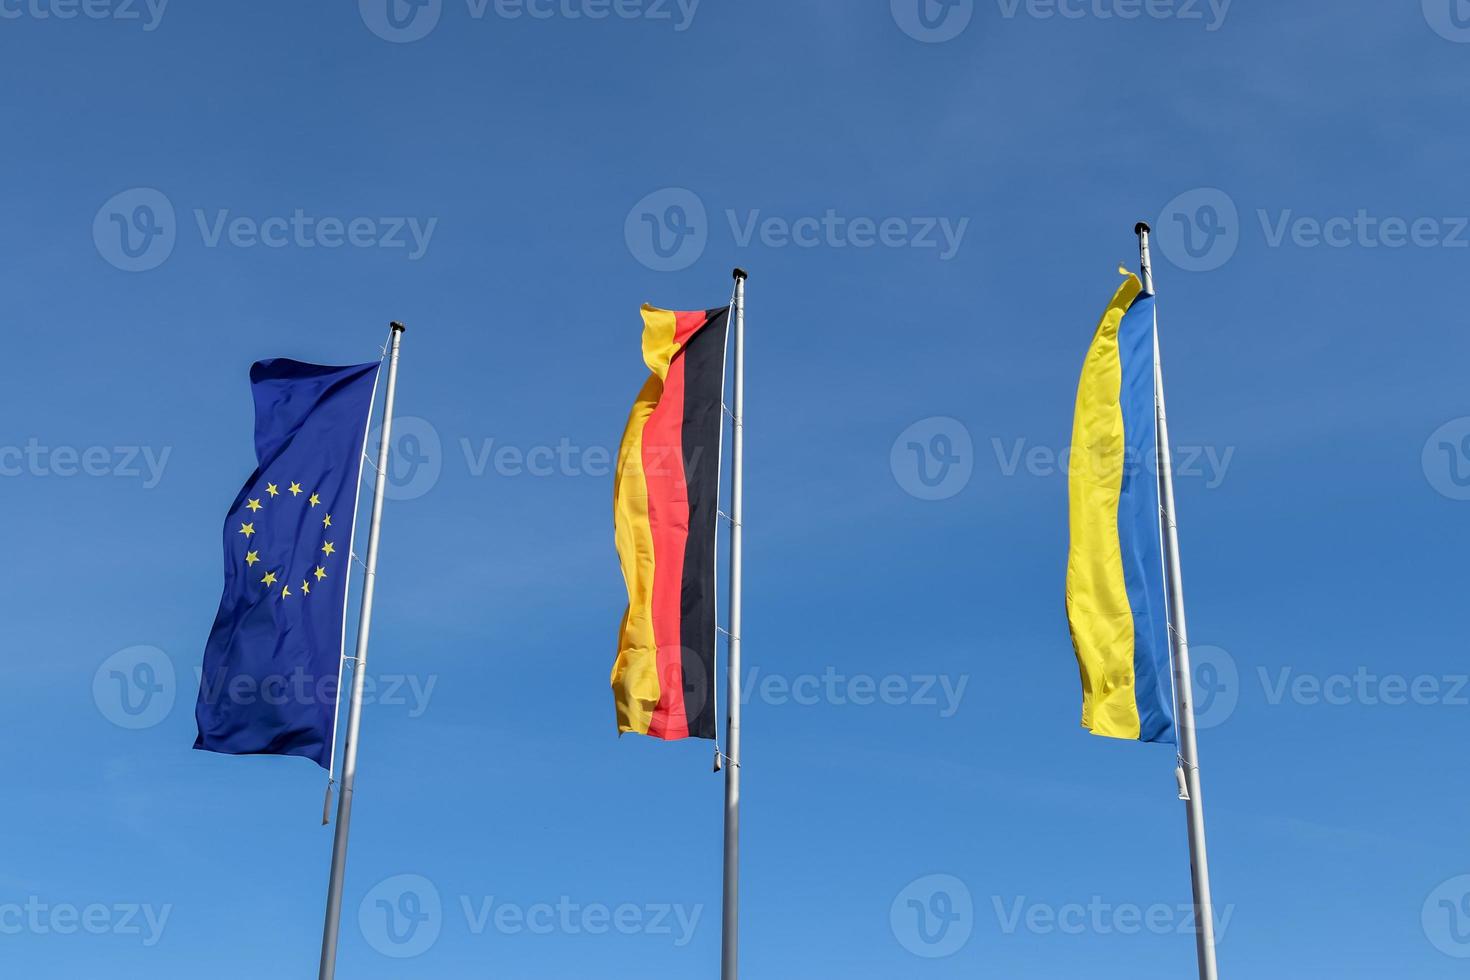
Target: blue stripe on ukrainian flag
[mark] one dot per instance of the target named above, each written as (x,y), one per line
(1139,530)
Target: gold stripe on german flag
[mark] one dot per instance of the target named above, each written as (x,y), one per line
(665,499)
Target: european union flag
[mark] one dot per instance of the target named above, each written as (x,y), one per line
(271,665)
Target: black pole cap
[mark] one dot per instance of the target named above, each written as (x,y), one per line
(1142,228)
(398,327)
(741,274)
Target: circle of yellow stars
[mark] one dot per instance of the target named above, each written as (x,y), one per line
(247,528)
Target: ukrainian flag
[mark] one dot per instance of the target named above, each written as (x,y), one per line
(1116,606)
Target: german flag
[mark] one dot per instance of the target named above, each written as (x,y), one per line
(665,496)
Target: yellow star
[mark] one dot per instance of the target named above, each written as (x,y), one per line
(251,557)
(295,489)
(328,548)
(313,500)
(254,505)
(270,488)
(247,529)
(320,573)
(306,587)
(285,591)
(327,521)
(270,579)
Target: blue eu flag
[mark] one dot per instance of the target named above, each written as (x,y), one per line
(271,665)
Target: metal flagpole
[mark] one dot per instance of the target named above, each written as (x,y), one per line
(1199,865)
(354,711)
(729,936)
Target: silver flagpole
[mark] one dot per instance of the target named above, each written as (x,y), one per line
(1199,865)
(729,936)
(354,711)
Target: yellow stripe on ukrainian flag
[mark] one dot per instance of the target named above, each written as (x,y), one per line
(1115,578)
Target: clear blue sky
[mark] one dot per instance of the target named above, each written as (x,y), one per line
(487,183)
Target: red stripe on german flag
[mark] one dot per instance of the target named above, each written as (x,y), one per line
(665,500)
